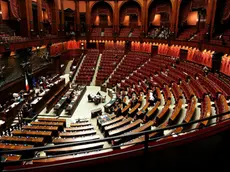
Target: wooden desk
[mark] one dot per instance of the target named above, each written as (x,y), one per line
(118,124)
(137,130)
(161,116)
(191,110)
(153,110)
(206,110)
(90,127)
(52,120)
(11,157)
(42,128)
(46,134)
(75,148)
(134,109)
(73,104)
(59,124)
(96,112)
(79,133)
(112,121)
(143,110)
(176,111)
(142,138)
(104,118)
(133,142)
(125,109)
(126,128)
(57,94)
(14,146)
(80,124)
(27,140)
(77,139)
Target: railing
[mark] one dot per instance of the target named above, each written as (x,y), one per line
(146,143)
(199,45)
(30,43)
(45,41)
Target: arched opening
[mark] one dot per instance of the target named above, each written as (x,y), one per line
(130,19)
(130,14)
(69,20)
(192,20)
(102,15)
(159,19)
(222,23)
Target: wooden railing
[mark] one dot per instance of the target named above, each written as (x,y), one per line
(30,43)
(45,41)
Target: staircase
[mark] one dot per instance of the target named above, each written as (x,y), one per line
(74,78)
(93,83)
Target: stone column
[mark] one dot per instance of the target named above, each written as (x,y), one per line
(116,17)
(40,21)
(55,17)
(77,16)
(173,15)
(0,12)
(62,17)
(26,24)
(210,18)
(145,17)
(88,25)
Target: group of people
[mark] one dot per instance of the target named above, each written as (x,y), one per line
(133,100)
(98,98)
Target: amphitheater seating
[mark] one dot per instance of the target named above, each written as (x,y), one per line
(96,32)
(136,32)
(36,141)
(125,68)
(198,89)
(108,32)
(154,33)
(176,111)
(171,80)
(221,107)
(88,66)
(187,34)
(124,32)
(199,36)
(126,128)
(191,109)
(206,110)
(109,60)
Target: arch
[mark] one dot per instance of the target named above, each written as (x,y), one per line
(152,1)
(151,4)
(124,3)
(186,6)
(100,2)
(109,11)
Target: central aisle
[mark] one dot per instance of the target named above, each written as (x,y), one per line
(84,108)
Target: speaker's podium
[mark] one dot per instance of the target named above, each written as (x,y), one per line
(216,61)
(96,112)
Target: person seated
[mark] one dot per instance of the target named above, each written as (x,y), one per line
(68,100)
(118,110)
(90,98)
(152,98)
(133,101)
(98,93)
